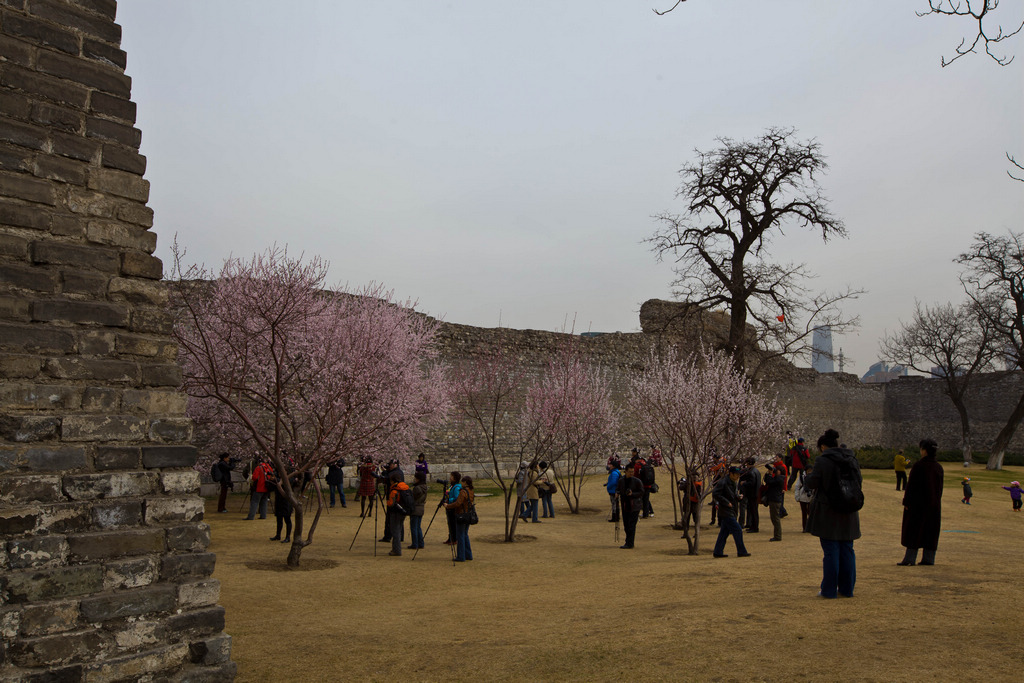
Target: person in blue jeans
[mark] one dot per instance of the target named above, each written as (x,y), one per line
(836,530)
(419,496)
(460,506)
(727,496)
(336,480)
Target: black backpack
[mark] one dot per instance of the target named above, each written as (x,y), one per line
(845,495)
(215,472)
(647,474)
(405,503)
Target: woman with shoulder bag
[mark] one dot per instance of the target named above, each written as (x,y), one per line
(462,506)
(547,490)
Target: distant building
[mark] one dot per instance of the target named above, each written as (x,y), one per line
(880,373)
(821,350)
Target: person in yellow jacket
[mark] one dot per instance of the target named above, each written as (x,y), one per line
(899,464)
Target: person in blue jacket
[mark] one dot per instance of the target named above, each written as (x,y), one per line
(612,486)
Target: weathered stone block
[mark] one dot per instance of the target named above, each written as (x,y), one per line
(198,594)
(48,618)
(138,291)
(154,402)
(180,482)
(111,181)
(29,585)
(19,367)
(141,666)
(112,544)
(24,215)
(117,458)
(164,509)
(120,235)
(96,343)
(129,603)
(59,649)
(123,158)
(215,650)
(56,253)
(113,131)
(134,573)
(187,566)
(117,107)
(26,428)
(24,277)
(22,134)
(14,246)
(51,88)
(161,375)
(168,456)
(34,338)
(40,397)
(117,514)
(136,635)
(171,430)
(208,674)
(65,518)
(104,428)
(98,50)
(101,400)
(84,282)
(55,458)
(37,551)
(135,213)
(29,189)
(43,488)
(14,308)
(15,521)
(16,51)
(58,117)
(66,225)
(141,265)
(151,320)
(40,33)
(63,674)
(192,538)
(92,75)
(109,485)
(76,311)
(97,26)
(199,622)
(74,147)
(10,623)
(140,345)
(96,369)
(59,169)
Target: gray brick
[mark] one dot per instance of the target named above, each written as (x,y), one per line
(22,134)
(42,458)
(40,33)
(74,147)
(28,277)
(168,456)
(191,538)
(38,551)
(117,514)
(123,158)
(94,49)
(20,186)
(60,169)
(30,488)
(189,566)
(101,400)
(49,618)
(103,428)
(116,107)
(49,584)
(120,183)
(27,428)
(14,366)
(124,372)
(164,375)
(76,311)
(14,158)
(109,485)
(16,51)
(14,246)
(120,234)
(40,397)
(25,216)
(62,254)
(56,117)
(64,648)
(96,343)
(200,622)
(49,87)
(116,544)
(141,265)
(101,27)
(85,282)
(117,458)
(112,131)
(35,338)
(14,521)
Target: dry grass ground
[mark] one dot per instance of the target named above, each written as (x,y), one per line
(570,605)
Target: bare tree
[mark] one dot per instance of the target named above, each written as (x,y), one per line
(1017,165)
(956,341)
(738,198)
(994,279)
(979,13)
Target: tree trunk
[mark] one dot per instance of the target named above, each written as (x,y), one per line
(995,460)
(737,335)
(965,428)
(295,552)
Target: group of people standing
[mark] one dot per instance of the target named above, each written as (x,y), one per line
(535,487)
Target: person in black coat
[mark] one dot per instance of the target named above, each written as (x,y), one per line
(922,507)
(775,494)
(750,487)
(336,480)
(631,497)
(836,530)
(727,496)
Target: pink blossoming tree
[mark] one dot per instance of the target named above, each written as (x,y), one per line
(702,413)
(308,375)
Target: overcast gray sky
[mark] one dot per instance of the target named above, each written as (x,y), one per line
(502,161)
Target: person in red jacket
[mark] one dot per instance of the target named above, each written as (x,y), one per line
(799,459)
(260,489)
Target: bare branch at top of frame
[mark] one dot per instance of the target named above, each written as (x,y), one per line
(978,12)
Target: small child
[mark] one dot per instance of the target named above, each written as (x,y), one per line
(967,491)
(1015,493)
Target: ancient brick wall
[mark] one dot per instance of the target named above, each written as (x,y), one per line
(104,574)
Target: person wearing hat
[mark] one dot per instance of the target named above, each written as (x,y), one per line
(1015,494)
(631,497)
(967,491)
(727,496)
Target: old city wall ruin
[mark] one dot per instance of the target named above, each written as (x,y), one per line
(104,569)
(897,414)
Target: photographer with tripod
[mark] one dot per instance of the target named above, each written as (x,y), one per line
(461,506)
(455,486)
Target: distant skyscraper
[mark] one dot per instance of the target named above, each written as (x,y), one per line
(821,349)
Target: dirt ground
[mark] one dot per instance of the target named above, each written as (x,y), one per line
(568,604)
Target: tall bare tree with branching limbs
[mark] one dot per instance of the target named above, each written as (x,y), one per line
(979,13)
(737,199)
(994,280)
(702,412)
(308,375)
(957,341)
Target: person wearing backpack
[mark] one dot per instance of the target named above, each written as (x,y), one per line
(922,507)
(461,505)
(400,505)
(221,473)
(631,496)
(419,495)
(834,518)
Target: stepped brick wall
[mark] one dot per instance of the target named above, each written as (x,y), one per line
(104,573)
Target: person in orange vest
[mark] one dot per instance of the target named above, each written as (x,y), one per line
(400,505)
